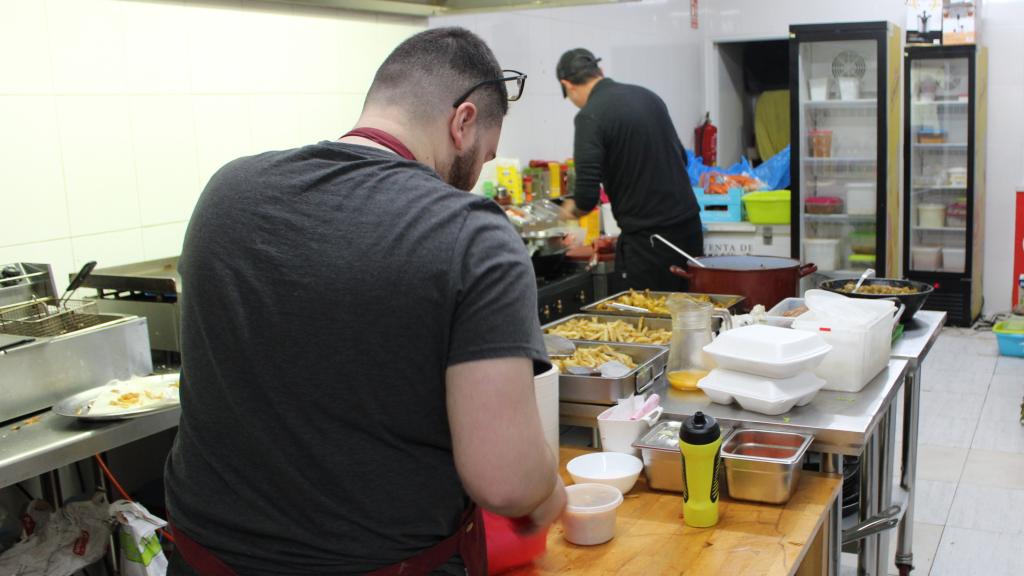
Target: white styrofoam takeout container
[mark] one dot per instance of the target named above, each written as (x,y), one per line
(759,394)
(768,351)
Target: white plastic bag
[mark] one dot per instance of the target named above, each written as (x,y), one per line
(141,553)
(59,543)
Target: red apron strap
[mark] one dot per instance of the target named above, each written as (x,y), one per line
(469,542)
(199,558)
(384,139)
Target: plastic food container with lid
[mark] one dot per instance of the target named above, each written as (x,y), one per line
(926,257)
(821,143)
(589,516)
(957,177)
(860,198)
(956,214)
(863,242)
(759,394)
(768,351)
(931,215)
(824,252)
(954,259)
(859,332)
(861,261)
(823,205)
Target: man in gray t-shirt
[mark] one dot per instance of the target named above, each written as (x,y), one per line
(359,338)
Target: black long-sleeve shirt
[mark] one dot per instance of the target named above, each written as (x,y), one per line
(625,138)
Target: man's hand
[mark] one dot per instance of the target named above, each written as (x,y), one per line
(549,510)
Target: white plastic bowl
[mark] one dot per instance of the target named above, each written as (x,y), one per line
(609,468)
(589,516)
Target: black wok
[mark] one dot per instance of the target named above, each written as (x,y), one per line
(913,302)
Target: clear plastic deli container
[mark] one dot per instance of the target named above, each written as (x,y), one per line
(860,332)
(589,516)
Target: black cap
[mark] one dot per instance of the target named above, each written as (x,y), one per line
(575,61)
(700,429)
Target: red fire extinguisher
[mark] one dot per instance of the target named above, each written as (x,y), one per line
(705,141)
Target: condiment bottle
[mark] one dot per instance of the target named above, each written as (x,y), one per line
(691,332)
(700,438)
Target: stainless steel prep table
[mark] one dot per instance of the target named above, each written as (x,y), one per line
(56,441)
(918,337)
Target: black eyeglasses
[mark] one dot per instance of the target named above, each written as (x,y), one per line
(514,91)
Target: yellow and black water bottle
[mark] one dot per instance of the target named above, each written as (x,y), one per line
(699,441)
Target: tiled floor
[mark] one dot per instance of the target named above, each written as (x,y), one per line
(970,491)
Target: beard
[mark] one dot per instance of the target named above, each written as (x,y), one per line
(461,173)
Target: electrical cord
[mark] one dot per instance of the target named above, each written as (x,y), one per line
(23,491)
(124,494)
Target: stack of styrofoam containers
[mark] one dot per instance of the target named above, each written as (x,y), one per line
(859,331)
(765,369)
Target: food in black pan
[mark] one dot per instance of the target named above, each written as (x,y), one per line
(878,289)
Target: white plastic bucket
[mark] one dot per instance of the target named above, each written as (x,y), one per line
(931,215)
(823,252)
(545,388)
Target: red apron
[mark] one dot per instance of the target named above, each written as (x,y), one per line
(468,541)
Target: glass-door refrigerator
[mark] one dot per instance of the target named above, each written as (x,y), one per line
(845,113)
(944,176)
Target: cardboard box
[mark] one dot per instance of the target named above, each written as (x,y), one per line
(959,22)
(924,22)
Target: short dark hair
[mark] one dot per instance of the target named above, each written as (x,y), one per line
(427,72)
(578,66)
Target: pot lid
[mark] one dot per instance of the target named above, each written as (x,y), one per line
(746,263)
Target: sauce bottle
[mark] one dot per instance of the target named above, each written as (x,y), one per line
(699,441)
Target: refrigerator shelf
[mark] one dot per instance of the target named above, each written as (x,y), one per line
(841,218)
(962,146)
(942,229)
(943,103)
(922,188)
(862,103)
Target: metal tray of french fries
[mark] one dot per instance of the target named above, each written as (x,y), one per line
(613,328)
(650,367)
(725,301)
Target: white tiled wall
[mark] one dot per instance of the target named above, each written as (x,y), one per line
(114,113)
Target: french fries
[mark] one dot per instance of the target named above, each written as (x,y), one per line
(616,331)
(655,304)
(592,357)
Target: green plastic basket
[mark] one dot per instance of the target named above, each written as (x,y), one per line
(770,207)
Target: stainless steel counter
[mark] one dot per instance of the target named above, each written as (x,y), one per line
(55,441)
(840,421)
(919,335)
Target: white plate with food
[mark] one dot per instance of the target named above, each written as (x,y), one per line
(122,399)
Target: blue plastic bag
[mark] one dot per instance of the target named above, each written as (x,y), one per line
(774,172)
(695,167)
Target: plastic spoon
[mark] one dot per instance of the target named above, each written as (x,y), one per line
(867,274)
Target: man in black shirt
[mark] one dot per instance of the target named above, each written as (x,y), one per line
(625,139)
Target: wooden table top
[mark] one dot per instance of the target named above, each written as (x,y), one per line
(651,537)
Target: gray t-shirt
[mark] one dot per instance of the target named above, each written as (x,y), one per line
(326,290)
